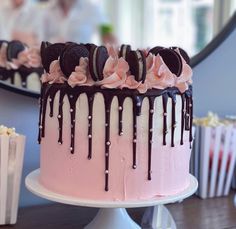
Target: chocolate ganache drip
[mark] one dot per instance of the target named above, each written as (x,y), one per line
(90,123)
(150,134)
(49,91)
(164,101)
(182,118)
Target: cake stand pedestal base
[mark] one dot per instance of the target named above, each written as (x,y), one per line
(115,218)
(112,214)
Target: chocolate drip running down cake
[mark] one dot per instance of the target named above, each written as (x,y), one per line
(115,124)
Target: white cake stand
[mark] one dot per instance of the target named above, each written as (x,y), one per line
(112,213)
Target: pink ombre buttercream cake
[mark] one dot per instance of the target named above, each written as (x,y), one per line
(115,124)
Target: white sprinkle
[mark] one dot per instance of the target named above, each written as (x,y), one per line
(165,114)
(134,166)
(59,116)
(151,130)
(40,127)
(121,133)
(106,154)
(89,136)
(89,117)
(71,148)
(135,140)
(71,96)
(106,171)
(106,124)
(108,143)
(59,143)
(138,104)
(151,111)
(71,110)
(120,108)
(50,100)
(190,105)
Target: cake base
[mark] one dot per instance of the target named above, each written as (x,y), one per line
(112,213)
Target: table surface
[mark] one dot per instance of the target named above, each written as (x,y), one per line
(194,213)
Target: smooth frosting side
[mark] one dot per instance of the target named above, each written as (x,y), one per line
(75,175)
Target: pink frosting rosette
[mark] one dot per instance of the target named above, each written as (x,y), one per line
(115,70)
(81,75)
(55,74)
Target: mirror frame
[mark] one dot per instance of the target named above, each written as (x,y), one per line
(195,60)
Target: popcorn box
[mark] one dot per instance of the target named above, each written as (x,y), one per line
(11,163)
(213,159)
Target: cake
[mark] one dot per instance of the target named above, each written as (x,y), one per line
(115,124)
(20,65)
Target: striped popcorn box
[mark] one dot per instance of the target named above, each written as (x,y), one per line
(214,155)
(11,163)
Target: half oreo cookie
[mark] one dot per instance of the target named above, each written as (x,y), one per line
(124,50)
(155,50)
(70,57)
(97,58)
(14,48)
(172,59)
(137,64)
(50,53)
(183,54)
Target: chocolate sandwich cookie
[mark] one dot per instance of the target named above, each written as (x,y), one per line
(14,48)
(43,47)
(50,53)
(70,57)
(155,50)
(137,64)
(172,59)
(98,56)
(89,46)
(124,50)
(183,54)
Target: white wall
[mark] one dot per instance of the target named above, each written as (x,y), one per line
(214,89)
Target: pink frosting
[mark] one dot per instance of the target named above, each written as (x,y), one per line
(55,74)
(117,75)
(81,75)
(115,70)
(28,57)
(160,77)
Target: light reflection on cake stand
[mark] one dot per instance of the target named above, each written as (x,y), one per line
(111,214)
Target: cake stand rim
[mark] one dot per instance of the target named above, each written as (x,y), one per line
(33,185)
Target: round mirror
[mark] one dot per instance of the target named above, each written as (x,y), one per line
(198,26)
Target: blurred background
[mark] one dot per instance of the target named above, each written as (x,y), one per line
(142,23)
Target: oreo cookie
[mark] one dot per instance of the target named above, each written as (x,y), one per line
(155,50)
(89,46)
(50,53)
(137,64)
(172,59)
(14,48)
(124,50)
(70,57)
(183,54)
(97,58)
